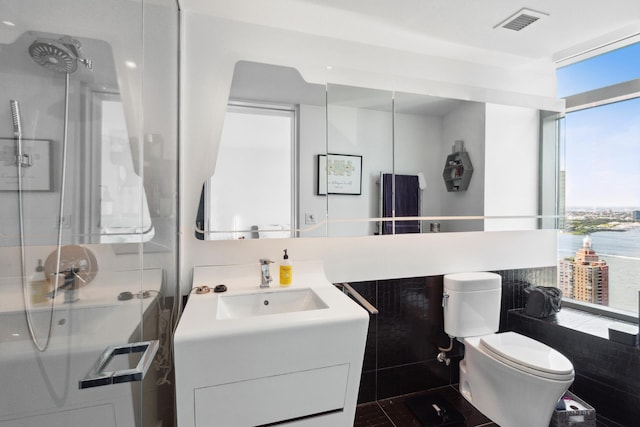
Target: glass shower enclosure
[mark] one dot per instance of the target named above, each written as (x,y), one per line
(88,196)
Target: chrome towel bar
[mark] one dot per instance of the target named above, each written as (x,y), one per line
(348,289)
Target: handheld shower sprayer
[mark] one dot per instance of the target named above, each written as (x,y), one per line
(22,160)
(15,116)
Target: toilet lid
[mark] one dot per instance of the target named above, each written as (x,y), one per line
(528,355)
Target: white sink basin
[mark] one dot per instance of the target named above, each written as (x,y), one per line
(266,303)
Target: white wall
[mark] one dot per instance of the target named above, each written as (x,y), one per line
(210,48)
(386,257)
(512,171)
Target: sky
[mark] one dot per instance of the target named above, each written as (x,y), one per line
(602,144)
(617,66)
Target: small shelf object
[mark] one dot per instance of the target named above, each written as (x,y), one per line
(457,169)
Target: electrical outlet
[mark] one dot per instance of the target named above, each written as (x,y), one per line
(310,218)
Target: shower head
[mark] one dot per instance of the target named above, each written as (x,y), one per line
(58,55)
(53,56)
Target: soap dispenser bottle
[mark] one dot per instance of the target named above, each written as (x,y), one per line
(286,270)
(39,285)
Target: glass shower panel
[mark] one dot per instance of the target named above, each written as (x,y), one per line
(158,167)
(66,296)
(359,152)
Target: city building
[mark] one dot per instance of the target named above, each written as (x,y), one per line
(565,276)
(585,277)
(562,204)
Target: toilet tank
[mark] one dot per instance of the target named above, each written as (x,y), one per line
(471,304)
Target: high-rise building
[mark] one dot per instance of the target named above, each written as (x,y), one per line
(585,277)
(565,276)
(562,200)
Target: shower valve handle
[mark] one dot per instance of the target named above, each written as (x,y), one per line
(23,160)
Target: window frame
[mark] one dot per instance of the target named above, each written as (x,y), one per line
(582,101)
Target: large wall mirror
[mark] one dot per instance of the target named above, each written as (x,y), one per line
(360,161)
(265,180)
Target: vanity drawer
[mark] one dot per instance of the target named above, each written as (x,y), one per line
(272,399)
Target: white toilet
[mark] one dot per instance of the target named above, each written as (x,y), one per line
(512,379)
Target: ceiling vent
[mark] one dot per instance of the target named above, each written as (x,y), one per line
(522,19)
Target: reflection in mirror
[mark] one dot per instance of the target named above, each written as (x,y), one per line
(367,136)
(286,165)
(359,123)
(251,193)
(121,212)
(515,167)
(89,143)
(426,129)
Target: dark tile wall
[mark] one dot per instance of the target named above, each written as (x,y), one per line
(401,351)
(607,372)
(514,283)
(403,340)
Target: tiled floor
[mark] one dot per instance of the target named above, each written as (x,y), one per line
(394,413)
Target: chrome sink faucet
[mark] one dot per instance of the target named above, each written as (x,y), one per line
(266,274)
(70,285)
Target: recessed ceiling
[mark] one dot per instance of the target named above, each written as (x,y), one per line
(471,22)
(434,26)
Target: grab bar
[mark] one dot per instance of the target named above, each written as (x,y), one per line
(348,289)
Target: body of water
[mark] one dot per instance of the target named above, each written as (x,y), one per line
(621,251)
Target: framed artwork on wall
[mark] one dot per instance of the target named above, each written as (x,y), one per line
(339,174)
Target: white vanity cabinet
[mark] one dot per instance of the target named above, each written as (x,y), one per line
(297,363)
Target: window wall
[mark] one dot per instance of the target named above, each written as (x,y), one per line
(599,197)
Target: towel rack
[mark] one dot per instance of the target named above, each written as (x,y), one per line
(348,289)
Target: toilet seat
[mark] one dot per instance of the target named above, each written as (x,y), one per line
(527,355)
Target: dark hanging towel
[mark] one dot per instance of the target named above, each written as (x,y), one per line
(407,203)
(387,203)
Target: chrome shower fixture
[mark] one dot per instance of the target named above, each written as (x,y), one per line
(60,55)
(22,160)
(15,116)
